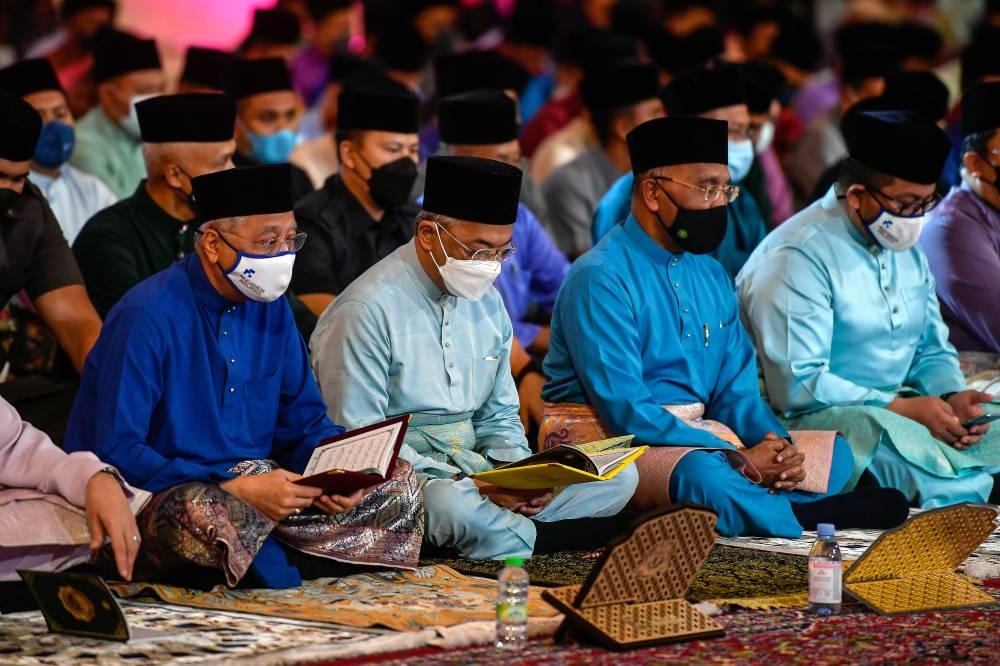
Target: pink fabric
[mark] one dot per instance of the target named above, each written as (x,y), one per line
(779,191)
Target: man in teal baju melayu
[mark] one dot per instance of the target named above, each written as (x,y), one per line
(840,302)
(424,332)
(646,333)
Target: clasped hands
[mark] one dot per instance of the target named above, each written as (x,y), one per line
(277,496)
(780,463)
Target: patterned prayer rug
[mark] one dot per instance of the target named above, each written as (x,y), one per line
(728,572)
(401,600)
(787,636)
(192,636)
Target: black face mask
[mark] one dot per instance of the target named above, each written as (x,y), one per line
(7,199)
(391,184)
(698,231)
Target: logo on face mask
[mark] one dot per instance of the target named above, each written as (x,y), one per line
(260,277)
(895,232)
(249,272)
(698,231)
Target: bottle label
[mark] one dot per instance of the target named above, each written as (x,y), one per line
(825,582)
(512,612)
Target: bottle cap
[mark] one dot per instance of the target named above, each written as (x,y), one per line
(514,561)
(825,529)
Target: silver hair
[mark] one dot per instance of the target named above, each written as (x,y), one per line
(436,218)
(222,224)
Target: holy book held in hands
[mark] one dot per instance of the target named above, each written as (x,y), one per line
(357,459)
(566,464)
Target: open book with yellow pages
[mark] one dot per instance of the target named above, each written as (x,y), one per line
(566,464)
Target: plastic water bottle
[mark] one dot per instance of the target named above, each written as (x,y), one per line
(825,572)
(512,605)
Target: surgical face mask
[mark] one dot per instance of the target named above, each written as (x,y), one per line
(390,184)
(260,277)
(740,159)
(895,232)
(272,148)
(130,121)
(467,278)
(698,231)
(55,145)
(764,138)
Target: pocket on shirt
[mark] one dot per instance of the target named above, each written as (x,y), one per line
(262,397)
(485,372)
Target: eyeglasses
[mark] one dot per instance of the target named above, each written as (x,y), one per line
(269,248)
(712,192)
(500,254)
(920,207)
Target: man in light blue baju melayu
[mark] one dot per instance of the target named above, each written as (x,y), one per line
(424,332)
(646,338)
(841,305)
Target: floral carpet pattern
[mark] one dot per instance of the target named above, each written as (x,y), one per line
(787,636)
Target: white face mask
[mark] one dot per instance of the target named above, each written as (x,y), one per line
(467,278)
(130,123)
(764,138)
(740,159)
(895,232)
(260,277)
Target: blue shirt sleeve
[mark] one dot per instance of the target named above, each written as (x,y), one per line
(607,352)
(302,421)
(129,385)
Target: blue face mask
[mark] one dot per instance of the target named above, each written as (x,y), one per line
(740,159)
(272,148)
(55,145)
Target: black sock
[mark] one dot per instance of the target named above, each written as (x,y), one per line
(863,508)
(995,493)
(578,533)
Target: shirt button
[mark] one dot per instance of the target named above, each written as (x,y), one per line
(685,309)
(232,360)
(689,335)
(225,332)
(885,288)
(232,389)
(447,344)
(677,284)
(883,266)
(447,323)
(451,365)
(895,310)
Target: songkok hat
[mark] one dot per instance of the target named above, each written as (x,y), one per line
(472,70)
(374,109)
(247,78)
(29,76)
(679,54)
(867,61)
(702,90)
(472,189)
(275,26)
(897,143)
(344,66)
(477,118)
(919,40)
(206,67)
(678,140)
(619,85)
(920,92)
(762,84)
(20,125)
(72,7)
(188,117)
(981,108)
(256,190)
(118,53)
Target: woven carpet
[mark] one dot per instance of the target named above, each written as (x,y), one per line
(787,636)
(729,572)
(401,600)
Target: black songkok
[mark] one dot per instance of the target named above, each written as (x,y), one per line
(188,117)
(243,191)
(678,140)
(477,118)
(897,143)
(472,189)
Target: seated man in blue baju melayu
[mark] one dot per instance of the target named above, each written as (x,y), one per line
(840,301)
(710,93)
(646,340)
(424,332)
(199,390)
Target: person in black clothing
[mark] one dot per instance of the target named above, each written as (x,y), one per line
(360,215)
(268,111)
